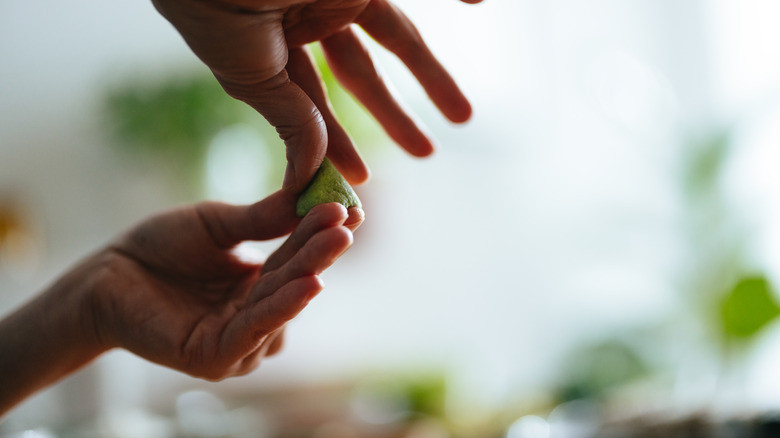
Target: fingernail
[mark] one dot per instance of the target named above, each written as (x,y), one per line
(355,218)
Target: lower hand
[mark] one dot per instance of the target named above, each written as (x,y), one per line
(173,291)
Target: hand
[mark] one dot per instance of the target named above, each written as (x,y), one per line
(255,48)
(173,291)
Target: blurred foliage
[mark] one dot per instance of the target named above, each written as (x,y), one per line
(704,165)
(593,370)
(719,244)
(361,127)
(426,395)
(173,120)
(747,308)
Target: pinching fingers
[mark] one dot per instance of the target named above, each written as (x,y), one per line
(341,150)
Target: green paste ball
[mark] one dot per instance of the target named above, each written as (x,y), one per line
(328,185)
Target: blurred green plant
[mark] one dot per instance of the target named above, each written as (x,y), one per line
(717,295)
(426,395)
(362,128)
(747,308)
(720,247)
(592,370)
(173,120)
(704,163)
(728,294)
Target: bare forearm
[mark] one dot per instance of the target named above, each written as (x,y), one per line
(47,338)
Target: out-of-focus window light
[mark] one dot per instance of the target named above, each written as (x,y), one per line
(753,179)
(236,165)
(529,426)
(744,40)
(629,91)
(34,433)
(747,89)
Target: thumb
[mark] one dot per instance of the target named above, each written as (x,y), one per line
(247,52)
(297,120)
(269,218)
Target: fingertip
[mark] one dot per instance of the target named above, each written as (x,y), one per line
(460,113)
(297,176)
(345,156)
(420,146)
(356,175)
(271,217)
(426,151)
(351,166)
(452,103)
(276,344)
(309,286)
(355,218)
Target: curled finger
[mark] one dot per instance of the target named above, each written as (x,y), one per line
(297,120)
(341,150)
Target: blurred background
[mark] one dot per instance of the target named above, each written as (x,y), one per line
(596,253)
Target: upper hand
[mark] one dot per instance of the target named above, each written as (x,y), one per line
(255,50)
(173,291)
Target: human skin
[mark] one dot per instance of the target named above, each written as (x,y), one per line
(256,50)
(173,291)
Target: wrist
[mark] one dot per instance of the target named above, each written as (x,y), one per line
(74,302)
(49,337)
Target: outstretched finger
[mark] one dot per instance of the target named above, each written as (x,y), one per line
(341,150)
(316,255)
(269,346)
(276,343)
(393,30)
(350,61)
(245,333)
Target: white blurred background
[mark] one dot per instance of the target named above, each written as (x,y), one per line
(561,216)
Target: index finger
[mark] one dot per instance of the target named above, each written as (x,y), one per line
(319,218)
(297,120)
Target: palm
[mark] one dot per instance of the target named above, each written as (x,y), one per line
(178,296)
(308,22)
(191,300)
